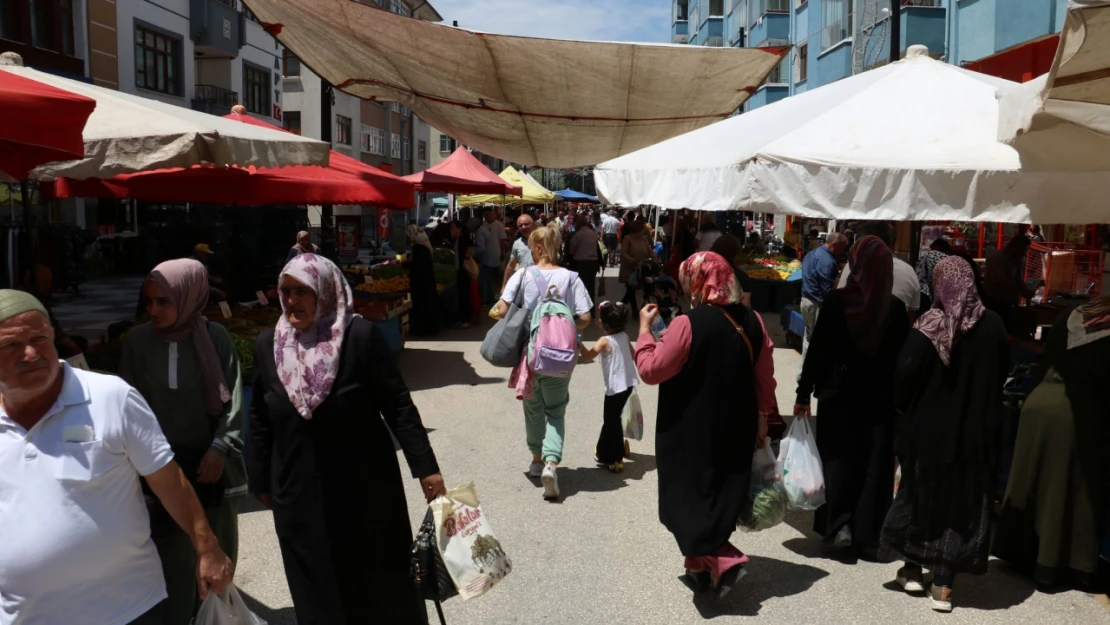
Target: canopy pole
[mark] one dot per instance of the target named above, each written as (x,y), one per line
(658,213)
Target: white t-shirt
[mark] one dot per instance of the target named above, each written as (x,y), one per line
(906,287)
(616,365)
(578,299)
(75,544)
(610,225)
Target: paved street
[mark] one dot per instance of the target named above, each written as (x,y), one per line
(600,555)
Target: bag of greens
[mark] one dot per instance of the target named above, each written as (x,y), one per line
(768,500)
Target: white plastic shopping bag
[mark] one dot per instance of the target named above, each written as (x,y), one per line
(632,417)
(227,609)
(800,464)
(472,554)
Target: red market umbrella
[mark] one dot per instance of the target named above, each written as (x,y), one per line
(39,124)
(344,181)
(463,174)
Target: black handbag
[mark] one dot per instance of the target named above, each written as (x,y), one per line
(433,582)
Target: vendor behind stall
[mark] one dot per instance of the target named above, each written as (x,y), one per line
(1003,285)
(204,254)
(426,317)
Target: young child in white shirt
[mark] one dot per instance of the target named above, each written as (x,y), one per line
(619,371)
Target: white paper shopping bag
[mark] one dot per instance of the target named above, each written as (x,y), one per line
(472,554)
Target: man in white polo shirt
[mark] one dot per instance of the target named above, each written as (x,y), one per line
(75,545)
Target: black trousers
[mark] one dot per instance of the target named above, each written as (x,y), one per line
(610,443)
(587,271)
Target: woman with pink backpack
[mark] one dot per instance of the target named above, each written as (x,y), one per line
(560,303)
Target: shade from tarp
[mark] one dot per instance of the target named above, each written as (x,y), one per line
(531,192)
(912,140)
(1072,101)
(571,195)
(534,101)
(461,173)
(343,181)
(127,134)
(39,124)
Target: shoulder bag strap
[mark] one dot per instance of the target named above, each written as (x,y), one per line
(741,332)
(541,282)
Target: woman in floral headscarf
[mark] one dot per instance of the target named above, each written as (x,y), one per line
(716,374)
(322,458)
(850,364)
(948,388)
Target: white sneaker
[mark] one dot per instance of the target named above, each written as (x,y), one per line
(909,583)
(940,598)
(550,482)
(535,469)
(843,537)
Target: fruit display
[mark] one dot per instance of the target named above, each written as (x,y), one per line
(397,284)
(768,267)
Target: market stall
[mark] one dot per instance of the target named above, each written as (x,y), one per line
(531,192)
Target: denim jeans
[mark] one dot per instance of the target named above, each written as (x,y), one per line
(543,417)
(808,310)
(487,285)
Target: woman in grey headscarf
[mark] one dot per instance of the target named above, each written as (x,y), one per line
(304,246)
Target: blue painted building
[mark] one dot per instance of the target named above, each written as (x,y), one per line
(831,39)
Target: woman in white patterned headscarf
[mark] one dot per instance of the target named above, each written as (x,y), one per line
(326,397)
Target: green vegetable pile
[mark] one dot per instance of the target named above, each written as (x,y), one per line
(245,349)
(445,274)
(443,256)
(768,507)
(385,272)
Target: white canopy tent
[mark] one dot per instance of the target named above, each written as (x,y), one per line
(1059,123)
(913,140)
(127,134)
(538,102)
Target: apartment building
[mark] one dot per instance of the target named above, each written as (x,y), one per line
(208,55)
(833,39)
(50,35)
(383,134)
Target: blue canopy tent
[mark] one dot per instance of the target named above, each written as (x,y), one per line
(571,195)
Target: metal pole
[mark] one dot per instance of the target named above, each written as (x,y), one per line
(327,219)
(895,30)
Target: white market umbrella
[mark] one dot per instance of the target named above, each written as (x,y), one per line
(913,140)
(128,134)
(1060,122)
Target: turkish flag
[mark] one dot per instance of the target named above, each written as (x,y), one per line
(383,223)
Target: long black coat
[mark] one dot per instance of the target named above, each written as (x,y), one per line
(705,431)
(338,499)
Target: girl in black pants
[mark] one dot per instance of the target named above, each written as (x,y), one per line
(619,370)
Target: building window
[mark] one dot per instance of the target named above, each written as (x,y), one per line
(422,151)
(372,140)
(406,149)
(445,144)
(157,62)
(9,25)
(256,90)
(803,62)
(400,8)
(395,146)
(42,16)
(290,64)
(717,8)
(681,10)
(836,22)
(343,130)
(292,121)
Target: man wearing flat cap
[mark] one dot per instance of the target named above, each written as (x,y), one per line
(75,546)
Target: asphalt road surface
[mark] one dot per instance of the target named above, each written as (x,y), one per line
(599,555)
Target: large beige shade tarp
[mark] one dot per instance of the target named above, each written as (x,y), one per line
(1059,123)
(128,134)
(539,102)
(1061,120)
(532,192)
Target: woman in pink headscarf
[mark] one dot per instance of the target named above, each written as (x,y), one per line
(716,373)
(187,369)
(949,391)
(327,395)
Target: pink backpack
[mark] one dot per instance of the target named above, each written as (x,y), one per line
(553,347)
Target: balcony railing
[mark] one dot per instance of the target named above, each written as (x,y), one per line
(229,3)
(923,3)
(214,100)
(714,42)
(836,32)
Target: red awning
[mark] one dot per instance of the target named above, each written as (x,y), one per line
(464,174)
(40,124)
(1021,63)
(344,181)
